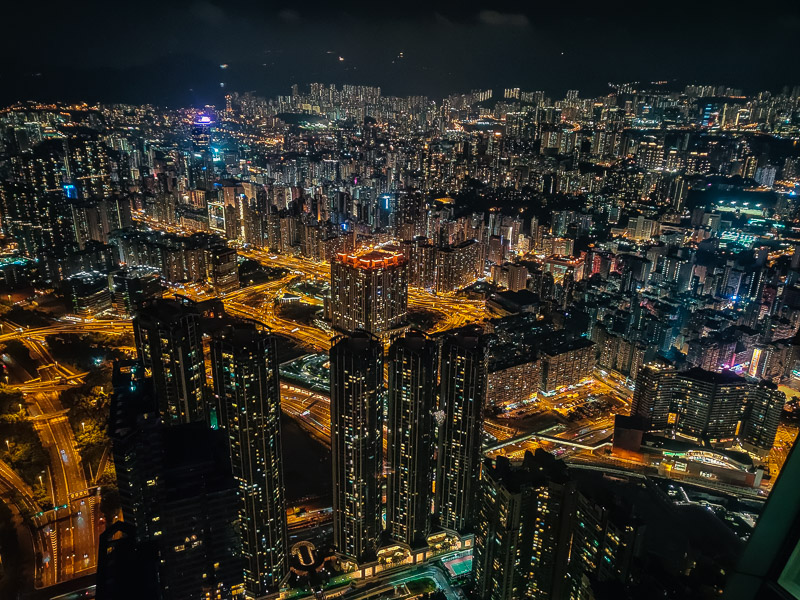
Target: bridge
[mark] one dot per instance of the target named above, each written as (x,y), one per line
(541,437)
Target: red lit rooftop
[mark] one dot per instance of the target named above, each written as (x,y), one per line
(373,259)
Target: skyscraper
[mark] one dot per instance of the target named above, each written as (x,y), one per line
(762,417)
(177,489)
(652,397)
(369,291)
(126,568)
(200,544)
(245,369)
(410,437)
(170,345)
(202,130)
(133,428)
(522,541)
(224,269)
(709,408)
(357,442)
(462,395)
(540,537)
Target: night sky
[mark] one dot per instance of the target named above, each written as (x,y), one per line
(171,52)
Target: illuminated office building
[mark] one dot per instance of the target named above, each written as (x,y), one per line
(462,396)
(357,442)
(369,291)
(169,342)
(247,394)
(410,437)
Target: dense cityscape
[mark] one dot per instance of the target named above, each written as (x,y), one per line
(336,343)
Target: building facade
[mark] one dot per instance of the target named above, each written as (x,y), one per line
(369,292)
(357,443)
(410,437)
(178,491)
(169,341)
(541,538)
(462,397)
(248,407)
(719,410)
(565,364)
(652,397)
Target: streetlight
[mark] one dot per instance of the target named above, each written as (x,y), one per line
(8,444)
(83,426)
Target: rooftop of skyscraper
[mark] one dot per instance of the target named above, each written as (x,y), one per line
(536,469)
(372,259)
(412,340)
(165,310)
(357,341)
(468,336)
(724,376)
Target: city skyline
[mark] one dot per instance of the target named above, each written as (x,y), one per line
(415,49)
(492,343)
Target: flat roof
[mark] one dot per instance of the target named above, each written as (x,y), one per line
(373,259)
